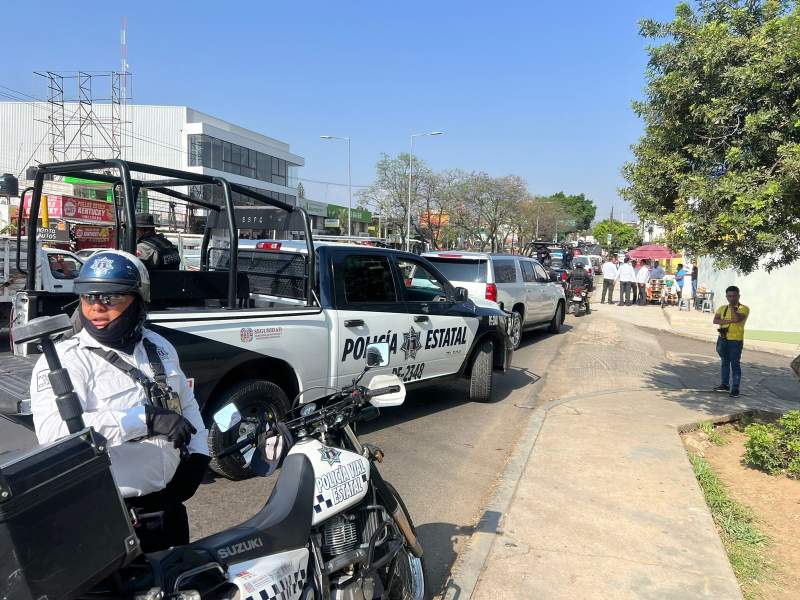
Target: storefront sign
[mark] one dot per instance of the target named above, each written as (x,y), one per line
(357,215)
(92,232)
(318,209)
(59,232)
(87,210)
(79,209)
(331,222)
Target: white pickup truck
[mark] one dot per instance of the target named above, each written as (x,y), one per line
(274,323)
(55,270)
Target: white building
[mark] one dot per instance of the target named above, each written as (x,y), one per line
(169,136)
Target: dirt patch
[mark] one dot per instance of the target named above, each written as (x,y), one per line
(775,502)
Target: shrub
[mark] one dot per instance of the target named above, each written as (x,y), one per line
(775,448)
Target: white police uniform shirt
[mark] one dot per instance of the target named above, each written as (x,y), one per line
(609,270)
(626,273)
(643,275)
(113,404)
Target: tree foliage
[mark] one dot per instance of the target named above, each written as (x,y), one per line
(578,207)
(623,236)
(719,164)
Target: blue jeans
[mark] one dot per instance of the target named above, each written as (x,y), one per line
(730,351)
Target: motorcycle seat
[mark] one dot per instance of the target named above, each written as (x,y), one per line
(283,524)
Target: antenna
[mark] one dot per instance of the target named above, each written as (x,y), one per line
(123,45)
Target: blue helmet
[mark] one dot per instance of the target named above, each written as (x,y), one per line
(113,272)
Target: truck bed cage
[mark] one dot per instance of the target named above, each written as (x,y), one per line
(129,191)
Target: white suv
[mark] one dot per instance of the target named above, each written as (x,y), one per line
(518,283)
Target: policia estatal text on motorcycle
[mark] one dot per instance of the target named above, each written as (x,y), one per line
(133,393)
(153,249)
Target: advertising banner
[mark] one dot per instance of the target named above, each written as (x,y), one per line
(79,209)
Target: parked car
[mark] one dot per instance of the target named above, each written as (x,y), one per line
(519,284)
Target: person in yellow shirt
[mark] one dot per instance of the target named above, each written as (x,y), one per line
(731,319)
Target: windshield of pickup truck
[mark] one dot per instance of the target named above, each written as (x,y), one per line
(63,266)
(456,269)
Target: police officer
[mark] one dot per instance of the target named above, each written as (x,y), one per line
(134,394)
(569,253)
(579,277)
(154,250)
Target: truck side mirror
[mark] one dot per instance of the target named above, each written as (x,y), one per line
(461,294)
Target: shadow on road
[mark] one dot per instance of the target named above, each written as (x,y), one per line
(440,543)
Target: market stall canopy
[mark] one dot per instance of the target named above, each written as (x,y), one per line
(652,251)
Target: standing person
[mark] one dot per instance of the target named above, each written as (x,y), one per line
(731,319)
(634,287)
(658,272)
(609,279)
(642,277)
(694,283)
(680,276)
(134,394)
(569,253)
(627,277)
(153,249)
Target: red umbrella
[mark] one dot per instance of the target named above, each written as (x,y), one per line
(652,251)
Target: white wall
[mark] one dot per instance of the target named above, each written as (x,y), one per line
(772,297)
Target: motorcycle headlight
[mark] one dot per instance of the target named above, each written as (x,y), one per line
(308,409)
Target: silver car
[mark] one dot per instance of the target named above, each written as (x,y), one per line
(518,283)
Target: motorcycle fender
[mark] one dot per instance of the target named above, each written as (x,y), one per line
(281,575)
(341,478)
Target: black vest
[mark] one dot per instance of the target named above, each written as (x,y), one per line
(165,255)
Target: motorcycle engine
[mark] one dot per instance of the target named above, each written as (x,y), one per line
(339,535)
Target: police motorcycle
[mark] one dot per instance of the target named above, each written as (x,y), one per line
(578,300)
(332,528)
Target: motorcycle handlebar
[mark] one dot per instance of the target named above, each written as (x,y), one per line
(389,389)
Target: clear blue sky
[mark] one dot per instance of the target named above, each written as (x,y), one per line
(541,90)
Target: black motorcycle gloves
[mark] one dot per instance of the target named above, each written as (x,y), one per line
(162,421)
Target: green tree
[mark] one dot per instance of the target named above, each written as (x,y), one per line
(719,164)
(623,236)
(578,207)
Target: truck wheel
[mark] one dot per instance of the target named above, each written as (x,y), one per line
(252,397)
(482,376)
(516,328)
(558,319)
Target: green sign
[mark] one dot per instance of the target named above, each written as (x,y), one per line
(357,215)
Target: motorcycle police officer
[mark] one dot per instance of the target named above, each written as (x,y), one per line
(134,394)
(155,250)
(579,277)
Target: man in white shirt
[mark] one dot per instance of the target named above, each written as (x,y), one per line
(609,279)
(627,277)
(642,277)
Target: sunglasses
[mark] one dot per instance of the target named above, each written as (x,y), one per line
(104,299)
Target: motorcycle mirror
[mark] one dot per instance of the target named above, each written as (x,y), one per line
(378,355)
(387,400)
(227,417)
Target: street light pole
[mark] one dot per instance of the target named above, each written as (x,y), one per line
(349,182)
(410,169)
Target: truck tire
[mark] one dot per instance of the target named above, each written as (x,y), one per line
(253,397)
(482,376)
(558,319)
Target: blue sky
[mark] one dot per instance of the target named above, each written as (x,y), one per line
(541,90)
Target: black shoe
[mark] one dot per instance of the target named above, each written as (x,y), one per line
(734,392)
(722,388)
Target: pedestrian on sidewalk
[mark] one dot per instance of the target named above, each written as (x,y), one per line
(609,278)
(627,277)
(658,272)
(642,277)
(634,287)
(694,284)
(731,319)
(680,275)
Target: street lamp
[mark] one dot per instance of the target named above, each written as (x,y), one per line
(411,168)
(349,181)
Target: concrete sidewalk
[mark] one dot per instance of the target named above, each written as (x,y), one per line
(690,323)
(607,505)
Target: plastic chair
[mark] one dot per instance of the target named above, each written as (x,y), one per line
(708,303)
(685,304)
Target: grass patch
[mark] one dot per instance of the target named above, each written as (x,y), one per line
(714,436)
(742,539)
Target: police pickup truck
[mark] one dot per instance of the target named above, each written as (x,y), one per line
(277,322)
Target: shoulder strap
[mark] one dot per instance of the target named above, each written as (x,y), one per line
(115,360)
(159,374)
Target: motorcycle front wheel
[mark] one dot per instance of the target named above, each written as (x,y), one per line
(405,578)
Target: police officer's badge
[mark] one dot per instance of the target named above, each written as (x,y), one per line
(329,455)
(411,343)
(102,266)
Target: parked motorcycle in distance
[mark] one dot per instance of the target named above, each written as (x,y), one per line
(332,528)
(578,299)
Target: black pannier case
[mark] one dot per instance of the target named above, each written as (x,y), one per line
(63,524)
